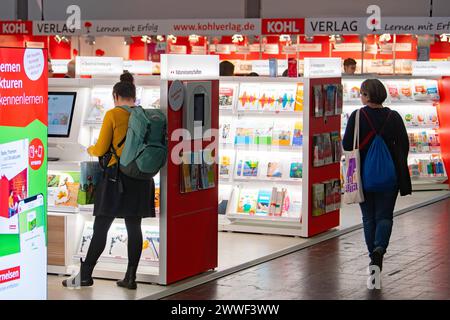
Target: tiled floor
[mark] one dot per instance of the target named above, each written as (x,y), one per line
(417,266)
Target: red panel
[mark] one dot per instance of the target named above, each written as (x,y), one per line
(192,220)
(60,50)
(14,115)
(137,49)
(440,50)
(4,196)
(444,120)
(320,174)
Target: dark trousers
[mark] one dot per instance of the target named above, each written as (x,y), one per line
(377,214)
(98,242)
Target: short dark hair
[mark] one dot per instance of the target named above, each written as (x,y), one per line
(375,90)
(226,68)
(125,88)
(349,62)
(253,74)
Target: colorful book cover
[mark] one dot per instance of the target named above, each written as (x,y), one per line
(281,135)
(225,135)
(251,168)
(268,98)
(274,170)
(249,94)
(244,133)
(263,134)
(196,171)
(318,101)
(239,168)
(247,201)
(90,176)
(101,102)
(150,245)
(186,185)
(65,188)
(225,166)
(299,96)
(297,139)
(263,203)
(318,199)
(227,94)
(329,99)
(286,97)
(296,170)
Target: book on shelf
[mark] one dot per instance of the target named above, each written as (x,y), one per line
(250,168)
(274,170)
(273,68)
(225,166)
(337,193)
(299,98)
(227,95)
(281,135)
(297,138)
(296,169)
(318,101)
(244,133)
(329,99)
(225,134)
(263,202)
(247,201)
(263,134)
(249,94)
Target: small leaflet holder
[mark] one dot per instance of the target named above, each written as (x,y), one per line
(197,108)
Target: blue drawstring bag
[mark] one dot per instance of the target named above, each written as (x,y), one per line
(379,173)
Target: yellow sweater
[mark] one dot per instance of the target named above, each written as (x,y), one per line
(114,129)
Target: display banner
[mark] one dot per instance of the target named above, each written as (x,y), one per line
(23,173)
(431,68)
(187,67)
(322,67)
(98,66)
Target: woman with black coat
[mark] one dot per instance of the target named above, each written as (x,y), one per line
(378,207)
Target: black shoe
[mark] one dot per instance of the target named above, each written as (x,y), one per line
(129,281)
(83,278)
(377,257)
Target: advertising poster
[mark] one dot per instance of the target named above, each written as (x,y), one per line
(23,173)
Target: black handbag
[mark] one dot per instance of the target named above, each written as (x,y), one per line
(104,162)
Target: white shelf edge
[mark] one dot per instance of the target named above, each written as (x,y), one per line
(260,180)
(239,216)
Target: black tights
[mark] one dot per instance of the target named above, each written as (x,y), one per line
(98,242)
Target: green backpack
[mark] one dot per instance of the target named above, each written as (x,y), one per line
(145,150)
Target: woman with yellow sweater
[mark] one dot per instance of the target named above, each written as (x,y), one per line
(117,195)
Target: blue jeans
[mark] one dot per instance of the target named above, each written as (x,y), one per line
(377,214)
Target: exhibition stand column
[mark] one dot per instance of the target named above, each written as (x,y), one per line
(189,181)
(23,173)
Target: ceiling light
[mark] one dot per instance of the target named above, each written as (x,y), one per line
(172,38)
(237,38)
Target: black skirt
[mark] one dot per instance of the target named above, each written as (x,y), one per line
(126,197)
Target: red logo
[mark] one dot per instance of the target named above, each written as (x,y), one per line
(36,154)
(283,26)
(15,27)
(8,275)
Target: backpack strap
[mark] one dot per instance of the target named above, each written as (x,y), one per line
(374,131)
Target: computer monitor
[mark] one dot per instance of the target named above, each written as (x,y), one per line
(61,106)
